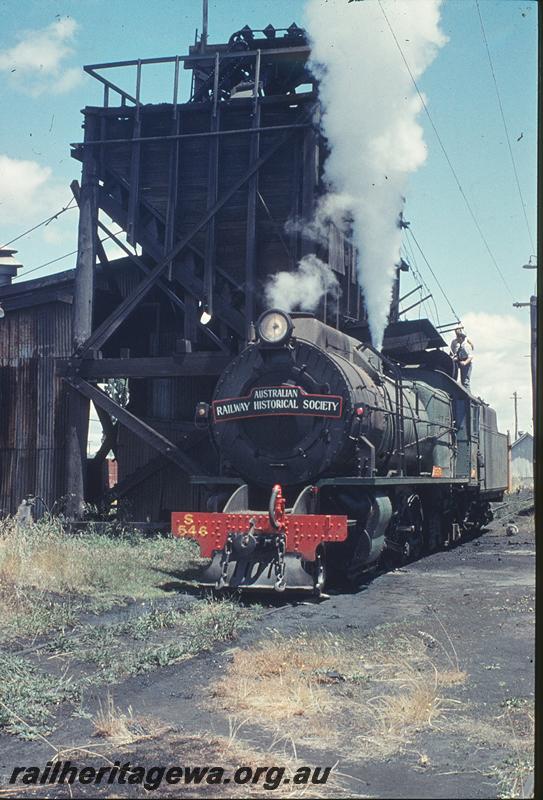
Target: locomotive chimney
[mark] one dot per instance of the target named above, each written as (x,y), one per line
(8,266)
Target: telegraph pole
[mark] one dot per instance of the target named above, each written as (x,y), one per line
(533,347)
(533,329)
(515,399)
(533,339)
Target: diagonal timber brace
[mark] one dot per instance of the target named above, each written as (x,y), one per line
(117,317)
(160,283)
(137,477)
(137,426)
(143,473)
(188,282)
(161,218)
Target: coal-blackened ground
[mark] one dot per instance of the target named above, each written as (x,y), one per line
(420,685)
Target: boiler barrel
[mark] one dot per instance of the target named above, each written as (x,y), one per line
(290,416)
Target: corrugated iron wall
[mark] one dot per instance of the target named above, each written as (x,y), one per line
(32,406)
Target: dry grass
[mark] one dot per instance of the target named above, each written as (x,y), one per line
(123,728)
(47,576)
(15,791)
(160,744)
(372,692)
(44,556)
(291,671)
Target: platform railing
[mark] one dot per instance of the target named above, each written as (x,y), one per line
(209,56)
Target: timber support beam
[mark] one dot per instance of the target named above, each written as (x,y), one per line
(78,405)
(185,365)
(137,426)
(117,317)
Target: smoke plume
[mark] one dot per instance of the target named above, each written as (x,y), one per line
(370,110)
(302,289)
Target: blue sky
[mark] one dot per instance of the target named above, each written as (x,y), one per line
(41,110)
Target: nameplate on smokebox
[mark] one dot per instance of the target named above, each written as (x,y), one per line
(274,400)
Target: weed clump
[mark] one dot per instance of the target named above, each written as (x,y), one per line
(28,697)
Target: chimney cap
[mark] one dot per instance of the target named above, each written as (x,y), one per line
(8,265)
(6,257)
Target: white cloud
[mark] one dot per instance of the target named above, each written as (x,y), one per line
(70,78)
(29,192)
(500,367)
(28,189)
(37,63)
(21,185)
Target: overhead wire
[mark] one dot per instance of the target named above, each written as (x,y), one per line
(414,262)
(447,158)
(417,271)
(43,222)
(442,290)
(506,129)
(60,258)
(422,305)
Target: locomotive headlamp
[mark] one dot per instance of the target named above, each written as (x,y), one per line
(201,415)
(274,327)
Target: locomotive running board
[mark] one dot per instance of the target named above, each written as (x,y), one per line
(396,480)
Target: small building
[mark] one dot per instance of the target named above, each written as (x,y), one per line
(522,462)
(35,331)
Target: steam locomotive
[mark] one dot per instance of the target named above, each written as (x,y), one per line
(341,458)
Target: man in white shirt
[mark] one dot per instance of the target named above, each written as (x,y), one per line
(462,355)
